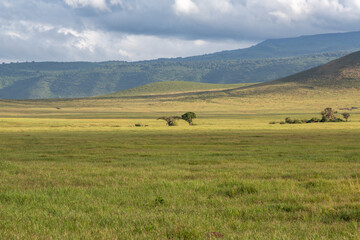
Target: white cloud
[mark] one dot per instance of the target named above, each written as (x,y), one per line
(98,4)
(85,40)
(185,7)
(15,35)
(116,2)
(199,42)
(139,47)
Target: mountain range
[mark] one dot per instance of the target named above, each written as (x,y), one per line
(269,60)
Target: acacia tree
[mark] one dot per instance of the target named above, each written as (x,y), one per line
(189,116)
(328,115)
(346,116)
(170,121)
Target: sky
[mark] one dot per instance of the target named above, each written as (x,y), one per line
(132,30)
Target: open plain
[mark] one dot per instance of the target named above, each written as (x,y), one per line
(80,169)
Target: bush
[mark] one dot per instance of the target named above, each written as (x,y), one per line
(140,125)
(172,123)
(338,120)
(313,120)
(289,120)
(297,121)
(324,119)
(272,122)
(328,115)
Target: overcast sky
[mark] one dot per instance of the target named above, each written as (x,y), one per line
(100,30)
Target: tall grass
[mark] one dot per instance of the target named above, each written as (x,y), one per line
(84,171)
(92,180)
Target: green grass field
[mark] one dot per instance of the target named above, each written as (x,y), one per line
(84,171)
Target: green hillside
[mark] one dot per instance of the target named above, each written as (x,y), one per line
(269,60)
(66,80)
(174,87)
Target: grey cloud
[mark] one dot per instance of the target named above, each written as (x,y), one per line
(255,19)
(129,29)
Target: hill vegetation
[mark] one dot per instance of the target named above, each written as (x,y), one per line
(47,80)
(266,61)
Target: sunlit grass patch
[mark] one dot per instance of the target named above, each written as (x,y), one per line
(85,171)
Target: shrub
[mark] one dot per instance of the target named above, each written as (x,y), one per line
(313,120)
(338,120)
(297,121)
(272,122)
(328,115)
(324,119)
(346,115)
(172,123)
(289,120)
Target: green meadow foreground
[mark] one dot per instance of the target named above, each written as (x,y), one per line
(84,171)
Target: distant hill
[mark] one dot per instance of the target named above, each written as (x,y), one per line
(266,61)
(174,87)
(290,47)
(339,74)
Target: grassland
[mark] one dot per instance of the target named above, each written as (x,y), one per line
(174,87)
(80,169)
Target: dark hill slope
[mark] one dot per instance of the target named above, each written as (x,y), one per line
(340,73)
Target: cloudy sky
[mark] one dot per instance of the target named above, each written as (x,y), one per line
(100,30)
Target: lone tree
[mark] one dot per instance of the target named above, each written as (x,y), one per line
(170,121)
(346,116)
(328,115)
(189,116)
